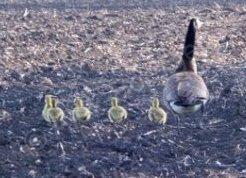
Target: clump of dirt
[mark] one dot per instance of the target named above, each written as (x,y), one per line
(128,54)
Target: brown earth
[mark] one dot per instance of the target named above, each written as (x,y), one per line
(128,54)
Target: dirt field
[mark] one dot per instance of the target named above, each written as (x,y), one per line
(128,54)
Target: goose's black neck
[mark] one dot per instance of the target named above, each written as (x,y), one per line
(188,52)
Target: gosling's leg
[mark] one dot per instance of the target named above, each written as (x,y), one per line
(178,124)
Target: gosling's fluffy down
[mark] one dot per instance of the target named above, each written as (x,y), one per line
(116,113)
(157,114)
(47,105)
(80,112)
(55,114)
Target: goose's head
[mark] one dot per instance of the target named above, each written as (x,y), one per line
(78,102)
(114,101)
(48,99)
(155,103)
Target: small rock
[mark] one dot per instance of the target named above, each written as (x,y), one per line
(47,82)
(32,173)
(224,39)
(188,160)
(243,129)
(4,115)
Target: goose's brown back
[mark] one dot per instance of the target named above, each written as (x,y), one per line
(186,87)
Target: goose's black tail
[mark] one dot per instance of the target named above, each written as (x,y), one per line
(187,64)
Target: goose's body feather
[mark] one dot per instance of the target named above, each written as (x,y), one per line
(179,109)
(44,113)
(157,115)
(55,114)
(117,114)
(81,114)
(185,92)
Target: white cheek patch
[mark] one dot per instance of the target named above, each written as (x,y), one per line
(184,110)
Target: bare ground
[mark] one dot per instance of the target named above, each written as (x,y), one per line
(128,54)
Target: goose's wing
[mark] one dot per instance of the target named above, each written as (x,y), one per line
(185,86)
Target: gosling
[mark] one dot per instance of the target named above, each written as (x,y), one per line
(47,105)
(80,112)
(157,114)
(185,91)
(116,113)
(55,114)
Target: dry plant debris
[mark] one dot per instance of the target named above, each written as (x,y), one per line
(128,54)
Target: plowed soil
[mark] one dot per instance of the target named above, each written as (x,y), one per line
(128,54)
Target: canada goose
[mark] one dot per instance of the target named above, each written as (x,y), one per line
(54,113)
(116,113)
(80,112)
(47,105)
(157,114)
(185,91)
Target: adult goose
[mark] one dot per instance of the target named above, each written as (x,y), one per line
(185,91)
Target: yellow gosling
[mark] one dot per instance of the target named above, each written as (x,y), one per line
(47,105)
(80,112)
(55,114)
(157,114)
(116,113)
